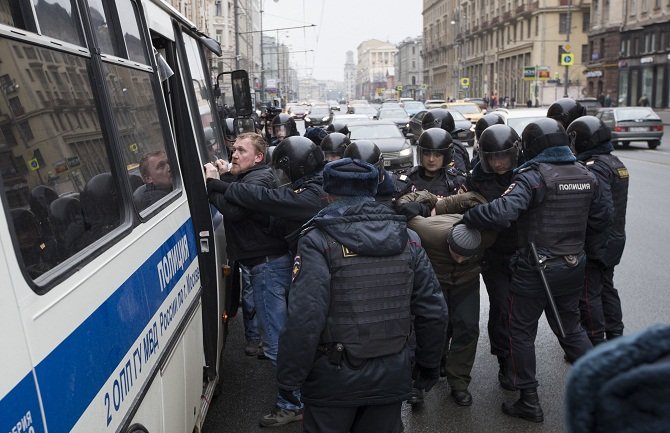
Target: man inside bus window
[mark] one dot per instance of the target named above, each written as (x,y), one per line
(157,177)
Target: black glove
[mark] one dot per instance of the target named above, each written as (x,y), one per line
(412,209)
(289,396)
(427,378)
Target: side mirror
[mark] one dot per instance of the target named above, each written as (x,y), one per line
(242,93)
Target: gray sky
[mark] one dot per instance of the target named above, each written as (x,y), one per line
(341,25)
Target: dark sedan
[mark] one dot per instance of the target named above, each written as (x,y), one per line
(633,124)
(395,148)
(397,115)
(319,115)
(463,132)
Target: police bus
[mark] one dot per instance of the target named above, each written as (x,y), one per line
(113,295)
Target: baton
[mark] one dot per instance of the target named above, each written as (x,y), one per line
(540,269)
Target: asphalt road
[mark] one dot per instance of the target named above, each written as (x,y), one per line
(248,390)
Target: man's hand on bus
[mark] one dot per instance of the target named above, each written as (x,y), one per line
(222,165)
(211,172)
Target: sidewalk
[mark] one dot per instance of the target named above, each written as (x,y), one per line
(664,114)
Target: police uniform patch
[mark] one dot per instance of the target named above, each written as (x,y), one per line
(296,268)
(299,190)
(623,172)
(509,188)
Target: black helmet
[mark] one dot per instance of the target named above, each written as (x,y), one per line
(100,201)
(542,134)
(438,118)
(498,143)
(367,151)
(296,157)
(565,110)
(435,140)
(338,127)
(485,121)
(588,132)
(40,198)
(283,126)
(334,143)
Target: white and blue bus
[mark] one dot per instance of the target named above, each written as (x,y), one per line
(113,287)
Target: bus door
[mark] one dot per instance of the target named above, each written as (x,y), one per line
(198,139)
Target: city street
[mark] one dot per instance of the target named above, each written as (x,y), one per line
(248,390)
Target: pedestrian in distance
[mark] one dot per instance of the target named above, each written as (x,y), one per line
(359,276)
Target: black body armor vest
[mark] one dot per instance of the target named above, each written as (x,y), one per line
(370,302)
(443,184)
(558,225)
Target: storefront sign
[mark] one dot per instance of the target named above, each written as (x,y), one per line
(594,74)
(647,60)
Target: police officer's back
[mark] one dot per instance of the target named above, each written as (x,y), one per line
(554,199)
(358,276)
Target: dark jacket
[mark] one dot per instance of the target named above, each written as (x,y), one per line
(612,174)
(445,183)
(434,232)
(249,234)
(372,229)
(527,192)
(294,205)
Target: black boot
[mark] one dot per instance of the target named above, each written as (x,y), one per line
(503,374)
(526,407)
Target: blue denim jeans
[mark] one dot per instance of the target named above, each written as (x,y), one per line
(251,329)
(270,282)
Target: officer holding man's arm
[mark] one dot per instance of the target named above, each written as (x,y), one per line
(553,199)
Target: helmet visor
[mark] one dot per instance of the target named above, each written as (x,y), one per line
(499,162)
(279,131)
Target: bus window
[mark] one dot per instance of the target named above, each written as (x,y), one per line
(111,38)
(212,149)
(143,143)
(52,146)
(59,19)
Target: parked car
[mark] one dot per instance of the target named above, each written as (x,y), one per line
(479,101)
(396,149)
(465,136)
(434,103)
(633,124)
(470,110)
(368,110)
(518,118)
(396,115)
(298,111)
(591,104)
(413,107)
(319,115)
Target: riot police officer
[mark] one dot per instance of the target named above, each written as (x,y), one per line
(442,118)
(333,145)
(358,276)
(554,199)
(600,306)
(340,127)
(565,111)
(282,126)
(498,150)
(484,122)
(435,153)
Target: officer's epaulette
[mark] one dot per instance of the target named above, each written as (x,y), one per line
(455,171)
(403,178)
(521,170)
(590,162)
(307,227)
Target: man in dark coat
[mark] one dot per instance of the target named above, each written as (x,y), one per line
(358,278)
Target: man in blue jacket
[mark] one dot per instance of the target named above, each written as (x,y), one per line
(358,278)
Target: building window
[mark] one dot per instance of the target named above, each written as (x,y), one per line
(585,54)
(586,22)
(25,131)
(563,22)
